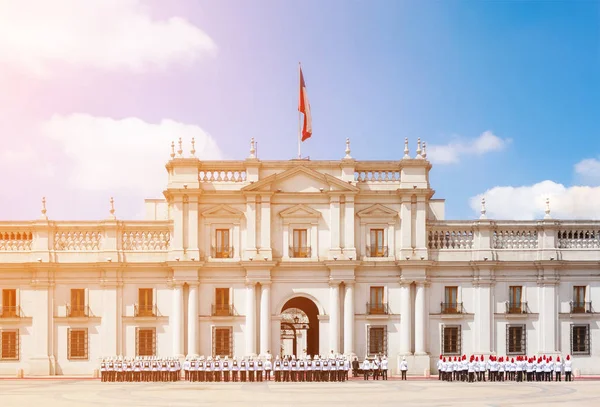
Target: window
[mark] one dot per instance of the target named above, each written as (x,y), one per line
(222,306)
(77,344)
(580,339)
(146,302)
(9,303)
(222,248)
(77,303)
(515,305)
(9,345)
(377,340)
(300,244)
(579,305)
(451,341)
(516,339)
(222,341)
(377,306)
(450,305)
(377,248)
(145,344)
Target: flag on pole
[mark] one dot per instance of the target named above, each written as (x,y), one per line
(304,108)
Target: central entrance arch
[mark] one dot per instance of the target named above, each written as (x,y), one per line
(299,327)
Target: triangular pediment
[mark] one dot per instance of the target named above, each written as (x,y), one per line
(377,211)
(222,211)
(300,179)
(300,211)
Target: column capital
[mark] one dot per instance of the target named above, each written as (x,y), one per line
(250,283)
(334,283)
(350,283)
(422,283)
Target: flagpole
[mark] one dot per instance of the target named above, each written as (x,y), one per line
(299,118)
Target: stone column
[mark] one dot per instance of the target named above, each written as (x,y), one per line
(405,319)
(405,228)
(349,318)
(178,228)
(349,249)
(193,320)
(483,313)
(193,247)
(334,227)
(250,226)
(334,316)
(265,226)
(548,317)
(265,318)
(37,359)
(177,316)
(421,228)
(250,318)
(420,307)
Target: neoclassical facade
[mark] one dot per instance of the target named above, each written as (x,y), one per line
(249,257)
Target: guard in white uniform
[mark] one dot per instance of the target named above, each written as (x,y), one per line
(403,368)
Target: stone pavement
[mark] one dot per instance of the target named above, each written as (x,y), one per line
(78,393)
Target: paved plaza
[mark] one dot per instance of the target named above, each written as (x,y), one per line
(78,393)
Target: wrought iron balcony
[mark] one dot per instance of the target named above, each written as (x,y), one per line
(377,308)
(452,308)
(11,311)
(373,251)
(145,310)
(222,310)
(580,307)
(78,311)
(224,252)
(516,307)
(300,252)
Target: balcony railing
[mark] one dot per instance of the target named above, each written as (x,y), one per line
(377,251)
(300,252)
(452,308)
(222,310)
(11,311)
(145,310)
(78,311)
(222,252)
(516,307)
(579,307)
(377,308)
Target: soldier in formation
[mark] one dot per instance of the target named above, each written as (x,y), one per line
(140,369)
(378,367)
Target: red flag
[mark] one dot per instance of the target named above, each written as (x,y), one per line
(304,108)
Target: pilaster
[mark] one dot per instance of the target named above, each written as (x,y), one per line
(349,249)
(250,227)
(265,227)
(334,229)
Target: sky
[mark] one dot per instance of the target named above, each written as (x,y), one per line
(505,93)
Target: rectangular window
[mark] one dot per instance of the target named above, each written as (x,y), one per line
(376,306)
(223,250)
(77,344)
(516,339)
(9,303)
(222,341)
(515,304)
(146,302)
(222,306)
(300,243)
(450,305)
(377,248)
(145,342)
(451,340)
(377,340)
(9,345)
(579,300)
(77,303)
(580,339)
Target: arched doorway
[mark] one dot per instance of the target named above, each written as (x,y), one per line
(299,327)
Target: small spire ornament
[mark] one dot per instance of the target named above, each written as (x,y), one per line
(419,148)
(180,151)
(252,148)
(424,153)
(193,150)
(547,211)
(483,210)
(347,148)
(172,149)
(44,216)
(112,208)
(406,151)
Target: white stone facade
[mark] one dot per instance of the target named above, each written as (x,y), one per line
(262,205)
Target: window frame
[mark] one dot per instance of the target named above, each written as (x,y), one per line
(146,309)
(377,246)
(458,345)
(223,243)
(300,235)
(384,340)
(138,331)
(70,337)
(222,301)
(13,308)
(377,306)
(587,340)
(17,350)
(522,341)
(219,347)
(579,292)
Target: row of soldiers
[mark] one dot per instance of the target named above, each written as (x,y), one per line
(140,369)
(378,367)
(499,369)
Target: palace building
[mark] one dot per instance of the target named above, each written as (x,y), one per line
(292,257)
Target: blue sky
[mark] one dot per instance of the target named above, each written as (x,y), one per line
(528,72)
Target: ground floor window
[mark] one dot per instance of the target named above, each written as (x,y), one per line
(145,341)
(77,343)
(222,341)
(9,344)
(377,340)
(516,339)
(451,340)
(580,339)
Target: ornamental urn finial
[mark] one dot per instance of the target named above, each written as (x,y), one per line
(406,151)
(419,148)
(193,150)
(252,148)
(180,151)
(44,216)
(347,148)
(112,208)
(172,149)
(547,211)
(483,210)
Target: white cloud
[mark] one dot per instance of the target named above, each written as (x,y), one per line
(104,34)
(528,202)
(452,152)
(588,168)
(105,154)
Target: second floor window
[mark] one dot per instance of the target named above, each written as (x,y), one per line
(377,248)
(77,303)
(579,299)
(222,247)
(376,305)
(514,299)
(9,303)
(450,300)
(146,302)
(300,244)
(222,306)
